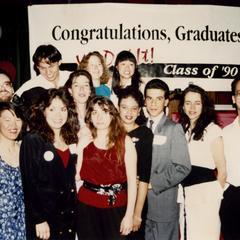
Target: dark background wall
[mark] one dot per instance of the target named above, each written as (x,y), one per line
(14,43)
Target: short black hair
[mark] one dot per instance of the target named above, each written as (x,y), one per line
(48,52)
(131,92)
(157,83)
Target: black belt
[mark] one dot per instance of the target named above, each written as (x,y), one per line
(110,190)
(199,175)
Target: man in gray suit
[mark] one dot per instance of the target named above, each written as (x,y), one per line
(170,165)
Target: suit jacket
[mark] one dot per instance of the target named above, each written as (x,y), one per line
(49,187)
(170,165)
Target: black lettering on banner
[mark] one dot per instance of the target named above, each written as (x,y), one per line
(119,32)
(205,34)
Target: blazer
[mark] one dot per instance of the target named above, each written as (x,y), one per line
(49,187)
(170,165)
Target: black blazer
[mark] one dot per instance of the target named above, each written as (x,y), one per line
(49,187)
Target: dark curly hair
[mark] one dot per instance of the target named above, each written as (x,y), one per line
(207,116)
(38,121)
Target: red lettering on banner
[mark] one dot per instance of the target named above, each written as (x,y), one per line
(145,55)
(109,57)
(142,56)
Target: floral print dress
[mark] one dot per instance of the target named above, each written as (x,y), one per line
(12,223)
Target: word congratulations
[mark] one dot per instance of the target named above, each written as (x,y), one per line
(121,32)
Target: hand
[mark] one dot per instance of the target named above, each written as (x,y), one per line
(126,225)
(85,137)
(222,182)
(43,230)
(136,223)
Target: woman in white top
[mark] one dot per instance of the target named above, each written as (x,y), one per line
(203,188)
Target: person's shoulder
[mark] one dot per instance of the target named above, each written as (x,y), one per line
(229,129)
(174,127)
(31,83)
(33,136)
(128,141)
(213,127)
(170,122)
(64,73)
(145,130)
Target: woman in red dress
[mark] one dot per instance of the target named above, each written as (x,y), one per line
(108,170)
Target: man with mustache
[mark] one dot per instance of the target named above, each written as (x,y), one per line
(6,88)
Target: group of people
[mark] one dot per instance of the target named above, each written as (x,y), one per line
(80,157)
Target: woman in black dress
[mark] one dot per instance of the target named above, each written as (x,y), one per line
(130,103)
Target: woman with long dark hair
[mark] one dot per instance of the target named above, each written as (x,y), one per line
(203,187)
(80,86)
(125,72)
(130,104)
(48,166)
(108,170)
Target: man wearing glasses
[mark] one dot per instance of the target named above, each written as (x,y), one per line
(6,88)
(230,207)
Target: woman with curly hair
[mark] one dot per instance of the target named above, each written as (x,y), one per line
(203,187)
(48,166)
(108,170)
(95,64)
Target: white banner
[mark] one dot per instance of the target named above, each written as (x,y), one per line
(177,43)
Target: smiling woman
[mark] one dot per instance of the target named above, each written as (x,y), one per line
(47,161)
(11,194)
(203,187)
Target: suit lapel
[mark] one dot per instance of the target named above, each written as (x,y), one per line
(160,124)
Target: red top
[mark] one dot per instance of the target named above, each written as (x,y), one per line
(64,155)
(101,166)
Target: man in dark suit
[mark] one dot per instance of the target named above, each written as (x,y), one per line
(170,165)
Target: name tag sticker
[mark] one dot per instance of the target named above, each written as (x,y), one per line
(159,140)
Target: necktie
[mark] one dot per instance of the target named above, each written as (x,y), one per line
(151,124)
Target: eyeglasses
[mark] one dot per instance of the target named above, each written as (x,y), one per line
(6,85)
(237,94)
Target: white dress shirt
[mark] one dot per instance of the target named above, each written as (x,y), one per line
(40,81)
(155,120)
(231,140)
